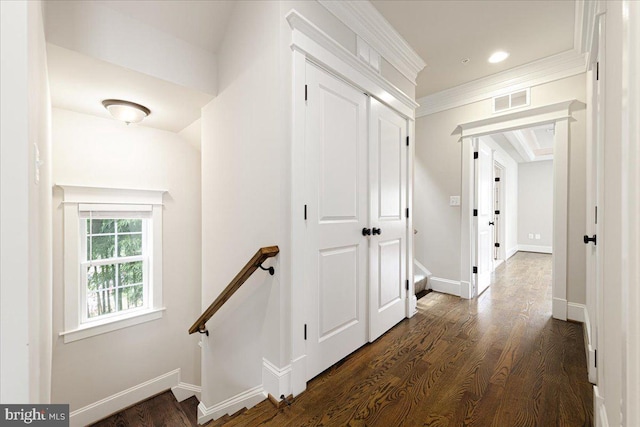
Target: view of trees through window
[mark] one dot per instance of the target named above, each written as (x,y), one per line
(115,271)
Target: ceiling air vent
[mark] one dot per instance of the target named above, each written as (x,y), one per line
(512,100)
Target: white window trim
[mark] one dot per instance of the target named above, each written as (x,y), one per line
(75,199)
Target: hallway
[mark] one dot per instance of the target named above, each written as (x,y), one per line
(500,360)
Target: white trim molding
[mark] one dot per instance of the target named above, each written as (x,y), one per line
(276,381)
(535,248)
(559,308)
(445,286)
(546,70)
(576,312)
(183,391)
(317,45)
(246,399)
(365,20)
(116,402)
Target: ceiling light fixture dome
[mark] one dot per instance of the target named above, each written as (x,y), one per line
(126,111)
(498,56)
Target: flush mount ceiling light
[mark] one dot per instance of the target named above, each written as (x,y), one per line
(128,112)
(498,56)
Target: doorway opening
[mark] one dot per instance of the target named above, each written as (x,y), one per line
(557,115)
(513,183)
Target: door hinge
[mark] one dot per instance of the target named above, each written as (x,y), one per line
(407,284)
(305,212)
(475,270)
(598,70)
(596,214)
(475,212)
(497,179)
(407,140)
(305,331)
(305,92)
(407,213)
(497,212)
(475,155)
(497,245)
(595,358)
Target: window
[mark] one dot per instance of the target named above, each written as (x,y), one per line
(115,269)
(112,259)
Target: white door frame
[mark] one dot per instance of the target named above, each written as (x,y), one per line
(310,43)
(560,114)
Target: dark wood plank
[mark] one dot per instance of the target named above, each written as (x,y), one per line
(498,360)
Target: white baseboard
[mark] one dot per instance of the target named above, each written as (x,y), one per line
(466,290)
(421,268)
(299,375)
(599,410)
(276,381)
(246,399)
(117,402)
(559,309)
(576,312)
(511,252)
(535,248)
(446,286)
(183,391)
(589,348)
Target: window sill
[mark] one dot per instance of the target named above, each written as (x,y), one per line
(112,324)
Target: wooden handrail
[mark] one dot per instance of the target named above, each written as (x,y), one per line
(251,266)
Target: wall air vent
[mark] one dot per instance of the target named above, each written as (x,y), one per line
(510,101)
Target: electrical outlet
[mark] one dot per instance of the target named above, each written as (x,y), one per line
(537,236)
(454,201)
(530,236)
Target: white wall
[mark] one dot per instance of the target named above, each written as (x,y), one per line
(438,169)
(535,203)
(25,358)
(94,151)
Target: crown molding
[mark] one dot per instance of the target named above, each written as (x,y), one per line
(365,20)
(311,41)
(545,70)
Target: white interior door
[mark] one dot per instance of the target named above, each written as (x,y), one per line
(336,162)
(595,203)
(388,246)
(484,219)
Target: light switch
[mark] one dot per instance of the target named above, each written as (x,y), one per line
(537,236)
(454,201)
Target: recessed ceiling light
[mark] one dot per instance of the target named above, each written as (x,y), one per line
(128,112)
(498,56)
(465,61)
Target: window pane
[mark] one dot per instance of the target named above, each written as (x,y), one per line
(129,245)
(101,277)
(101,302)
(130,273)
(102,226)
(102,247)
(129,225)
(130,297)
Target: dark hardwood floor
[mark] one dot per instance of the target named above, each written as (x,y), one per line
(498,360)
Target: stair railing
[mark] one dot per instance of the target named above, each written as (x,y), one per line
(252,265)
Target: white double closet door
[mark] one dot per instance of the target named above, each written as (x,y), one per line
(356,180)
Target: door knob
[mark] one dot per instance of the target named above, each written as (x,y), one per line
(491,223)
(588,239)
(377,231)
(366,231)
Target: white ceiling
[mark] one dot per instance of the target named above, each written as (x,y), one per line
(443,32)
(80,83)
(529,144)
(201,23)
